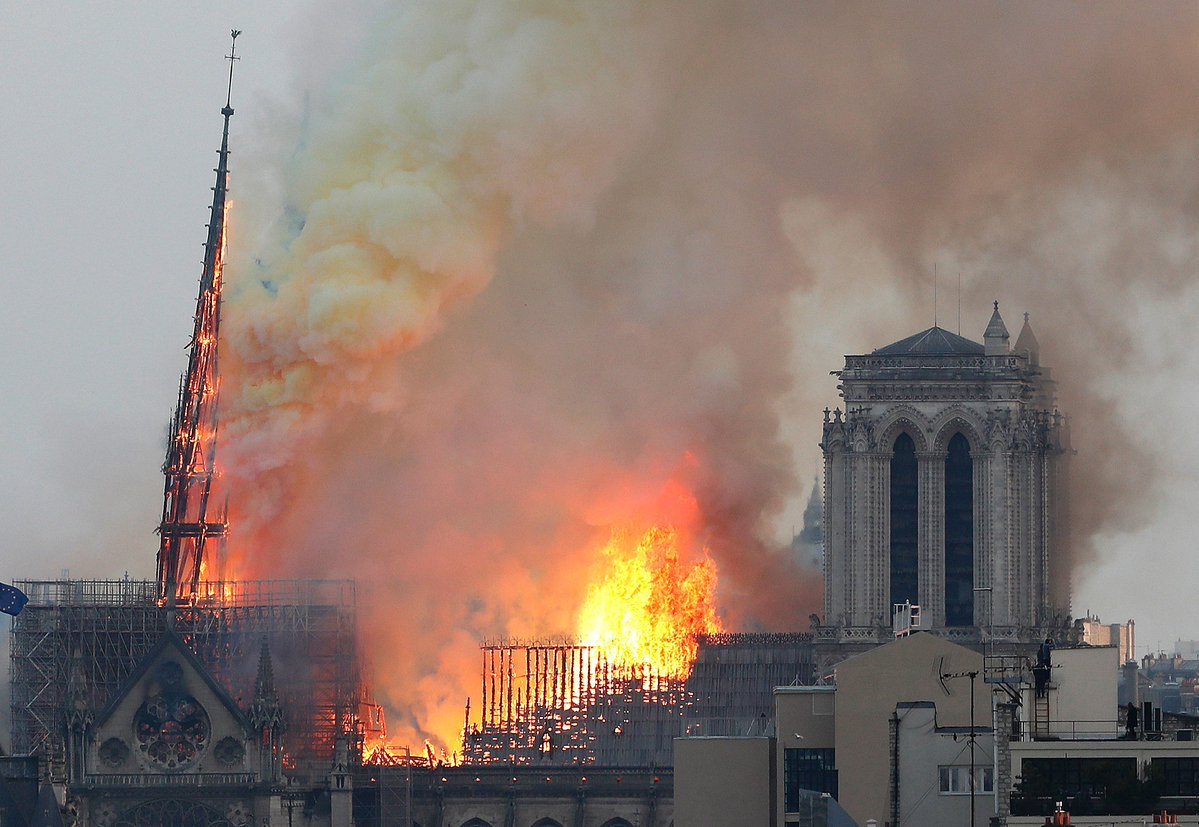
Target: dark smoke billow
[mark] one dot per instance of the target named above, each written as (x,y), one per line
(531,263)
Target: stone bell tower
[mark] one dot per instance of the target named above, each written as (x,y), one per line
(944,486)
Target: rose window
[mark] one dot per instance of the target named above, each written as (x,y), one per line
(171,728)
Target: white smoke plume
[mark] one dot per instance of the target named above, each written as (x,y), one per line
(529,266)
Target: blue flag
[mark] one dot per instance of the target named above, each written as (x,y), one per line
(12,599)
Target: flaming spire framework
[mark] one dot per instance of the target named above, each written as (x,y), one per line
(190,463)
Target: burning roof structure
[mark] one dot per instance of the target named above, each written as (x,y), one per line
(562,703)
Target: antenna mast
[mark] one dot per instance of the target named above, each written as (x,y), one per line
(934,294)
(190,463)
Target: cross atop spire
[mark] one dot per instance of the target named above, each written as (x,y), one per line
(232,56)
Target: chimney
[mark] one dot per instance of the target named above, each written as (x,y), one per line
(1131,690)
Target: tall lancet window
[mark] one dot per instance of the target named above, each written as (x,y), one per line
(959,534)
(905,581)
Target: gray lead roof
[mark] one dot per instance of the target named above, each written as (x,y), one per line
(934,340)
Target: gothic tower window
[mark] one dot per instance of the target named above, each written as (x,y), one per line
(905,582)
(959,533)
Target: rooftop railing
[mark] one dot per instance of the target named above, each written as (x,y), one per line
(127,592)
(204,779)
(1094,731)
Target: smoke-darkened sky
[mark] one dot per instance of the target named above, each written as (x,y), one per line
(505,272)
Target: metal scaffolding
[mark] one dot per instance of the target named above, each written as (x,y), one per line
(564,703)
(394,786)
(107,626)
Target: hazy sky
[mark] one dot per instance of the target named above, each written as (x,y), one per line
(108,159)
(109,137)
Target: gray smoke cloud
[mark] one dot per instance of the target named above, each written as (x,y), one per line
(526,266)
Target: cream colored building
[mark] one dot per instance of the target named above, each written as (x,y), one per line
(870,685)
(842,735)
(1083,697)
(1121,635)
(839,740)
(737,782)
(1076,758)
(932,770)
(728,781)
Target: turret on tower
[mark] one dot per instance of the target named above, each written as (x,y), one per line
(1027,344)
(995,338)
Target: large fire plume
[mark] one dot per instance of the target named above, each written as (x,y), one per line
(646,611)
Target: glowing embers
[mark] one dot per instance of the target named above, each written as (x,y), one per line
(645,614)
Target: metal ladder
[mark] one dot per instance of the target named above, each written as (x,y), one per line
(1040,715)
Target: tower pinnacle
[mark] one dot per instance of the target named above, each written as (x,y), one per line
(265,709)
(1027,344)
(995,339)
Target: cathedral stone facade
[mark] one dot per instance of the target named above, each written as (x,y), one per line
(172,748)
(944,489)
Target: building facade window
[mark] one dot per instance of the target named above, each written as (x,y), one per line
(808,769)
(959,533)
(955,780)
(1061,778)
(1176,776)
(905,480)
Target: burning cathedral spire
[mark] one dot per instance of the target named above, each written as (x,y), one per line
(189,467)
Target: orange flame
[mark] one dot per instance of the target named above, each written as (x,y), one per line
(645,613)
(214,591)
